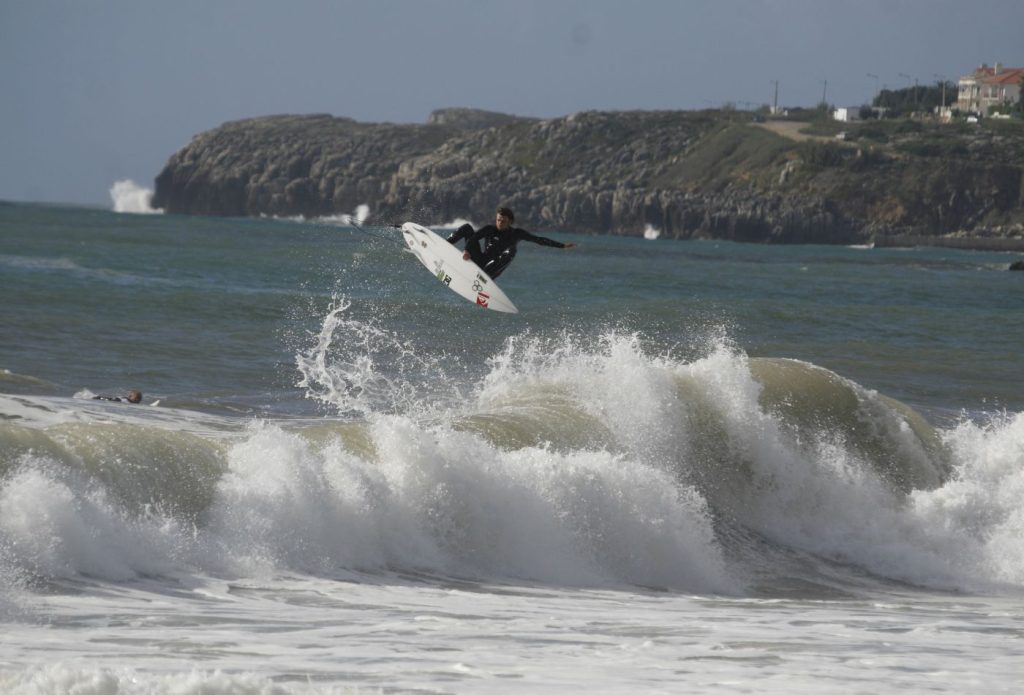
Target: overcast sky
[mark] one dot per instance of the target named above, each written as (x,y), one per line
(94,91)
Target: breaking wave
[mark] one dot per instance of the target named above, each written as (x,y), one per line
(576,460)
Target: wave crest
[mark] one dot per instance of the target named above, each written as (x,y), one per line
(574,460)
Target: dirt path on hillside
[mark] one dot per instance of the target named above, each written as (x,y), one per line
(791,130)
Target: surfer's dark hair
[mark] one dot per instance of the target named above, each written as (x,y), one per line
(507,212)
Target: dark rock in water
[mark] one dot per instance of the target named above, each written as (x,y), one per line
(1017,265)
(690,174)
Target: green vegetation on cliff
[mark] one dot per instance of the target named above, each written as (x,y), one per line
(689,173)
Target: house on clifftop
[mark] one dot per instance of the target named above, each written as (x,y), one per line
(988,87)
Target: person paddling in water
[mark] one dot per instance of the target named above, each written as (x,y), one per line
(500,240)
(132,396)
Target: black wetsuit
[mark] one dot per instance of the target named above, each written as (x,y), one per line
(499,247)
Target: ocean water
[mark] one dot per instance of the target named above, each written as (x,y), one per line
(682,467)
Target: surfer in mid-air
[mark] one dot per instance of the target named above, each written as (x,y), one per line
(500,240)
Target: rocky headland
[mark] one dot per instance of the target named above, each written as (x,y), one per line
(691,174)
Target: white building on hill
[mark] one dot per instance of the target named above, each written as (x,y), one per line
(846,113)
(987,87)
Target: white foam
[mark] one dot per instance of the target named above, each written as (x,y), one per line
(980,509)
(453,224)
(69,678)
(447,502)
(358,216)
(130,197)
(356,367)
(415,498)
(821,495)
(61,527)
(429,486)
(812,489)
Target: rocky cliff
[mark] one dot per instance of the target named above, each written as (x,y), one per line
(688,173)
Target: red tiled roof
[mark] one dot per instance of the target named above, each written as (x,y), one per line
(986,74)
(1007,76)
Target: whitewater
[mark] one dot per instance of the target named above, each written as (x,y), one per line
(344,478)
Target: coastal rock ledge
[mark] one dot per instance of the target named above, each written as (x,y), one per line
(690,174)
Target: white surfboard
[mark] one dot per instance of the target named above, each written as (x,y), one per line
(463,277)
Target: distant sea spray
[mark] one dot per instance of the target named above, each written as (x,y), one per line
(129,196)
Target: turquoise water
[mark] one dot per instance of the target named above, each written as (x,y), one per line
(682,467)
(212,311)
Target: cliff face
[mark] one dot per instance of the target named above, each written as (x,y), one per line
(691,174)
(290,165)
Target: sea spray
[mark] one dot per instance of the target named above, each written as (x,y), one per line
(629,393)
(811,484)
(355,367)
(980,508)
(129,196)
(577,460)
(449,503)
(68,677)
(606,403)
(56,525)
(356,218)
(785,463)
(824,466)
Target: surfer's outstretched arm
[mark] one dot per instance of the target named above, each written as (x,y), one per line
(523,235)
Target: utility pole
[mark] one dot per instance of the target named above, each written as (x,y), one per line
(824,91)
(775,99)
(903,74)
(942,78)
